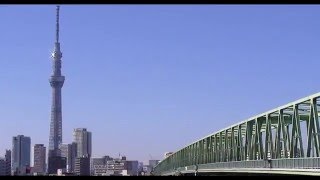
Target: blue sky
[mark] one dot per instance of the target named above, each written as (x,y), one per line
(147,79)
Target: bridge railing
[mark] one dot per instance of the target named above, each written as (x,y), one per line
(293,163)
(297,163)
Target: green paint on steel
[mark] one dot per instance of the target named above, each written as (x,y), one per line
(257,138)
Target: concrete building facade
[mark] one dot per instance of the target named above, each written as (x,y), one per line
(7,158)
(82,166)
(83,138)
(3,167)
(39,159)
(69,151)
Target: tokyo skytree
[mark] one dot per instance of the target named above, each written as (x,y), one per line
(56,81)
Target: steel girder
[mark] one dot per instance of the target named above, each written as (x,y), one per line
(275,134)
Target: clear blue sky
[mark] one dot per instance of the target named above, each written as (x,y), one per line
(150,79)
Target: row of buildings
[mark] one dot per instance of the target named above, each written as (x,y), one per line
(108,166)
(75,156)
(5,164)
(77,159)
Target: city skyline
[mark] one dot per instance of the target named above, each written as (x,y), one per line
(153,69)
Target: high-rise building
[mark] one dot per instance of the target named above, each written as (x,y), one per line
(69,151)
(7,158)
(132,168)
(56,80)
(83,139)
(20,161)
(74,155)
(82,166)
(3,166)
(56,163)
(39,160)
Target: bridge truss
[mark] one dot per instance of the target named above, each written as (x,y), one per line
(287,132)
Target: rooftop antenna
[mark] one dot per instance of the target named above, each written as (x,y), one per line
(57,24)
(57,54)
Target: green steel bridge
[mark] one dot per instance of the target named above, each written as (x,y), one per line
(282,140)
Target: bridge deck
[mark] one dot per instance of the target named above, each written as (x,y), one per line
(309,172)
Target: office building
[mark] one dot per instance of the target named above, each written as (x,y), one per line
(39,160)
(132,168)
(69,151)
(99,165)
(7,158)
(56,163)
(3,166)
(21,146)
(82,166)
(82,138)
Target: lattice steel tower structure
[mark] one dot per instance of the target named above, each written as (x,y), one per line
(56,81)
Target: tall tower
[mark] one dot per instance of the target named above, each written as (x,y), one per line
(56,81)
